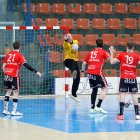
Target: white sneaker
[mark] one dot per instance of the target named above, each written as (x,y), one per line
(100,110)
(74,98)
(16,113)
(92,111)
(6,112)
(137,117)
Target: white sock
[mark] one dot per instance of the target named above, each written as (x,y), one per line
(6,103)
(14,106)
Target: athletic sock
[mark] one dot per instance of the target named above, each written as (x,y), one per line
(121,108)
(93,97)
(6,102)
(99,103)
(136,109)
(15,102)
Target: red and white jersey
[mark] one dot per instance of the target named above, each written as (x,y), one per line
(13,60)
(128,64)
(95,60)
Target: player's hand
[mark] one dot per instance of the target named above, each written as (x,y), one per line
(39,74)
(111,49)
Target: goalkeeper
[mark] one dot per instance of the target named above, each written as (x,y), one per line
(70,61)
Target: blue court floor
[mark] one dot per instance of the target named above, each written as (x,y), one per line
(69,116)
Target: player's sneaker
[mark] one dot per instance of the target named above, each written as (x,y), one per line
(74,98)
(137,117)
(100,110)
(120,117)
(6,112)
(92,111)
(74,74)
(16,113)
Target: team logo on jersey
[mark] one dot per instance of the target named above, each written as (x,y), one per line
(134,89)
(123,89)
(90,76)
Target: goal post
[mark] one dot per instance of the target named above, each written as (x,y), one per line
(42,48)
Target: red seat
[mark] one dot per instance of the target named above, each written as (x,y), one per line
(59,73)
(108,39)
(110,73)
(123,39)
(38,20)
(98,23)
(54,57)
(59,8)
(82,55)
(83,23)
(74,8)
(32,7)
(134,8)
(121,8)
(43,8)
(91,39)
(105,8)
(58,39)
(67,22)
(78,37)
(90,8)
(130,23)
(51,22)
(47,38)
(114,23)
(136,39)
(139,23)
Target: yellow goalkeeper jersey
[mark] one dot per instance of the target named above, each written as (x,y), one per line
(69,52)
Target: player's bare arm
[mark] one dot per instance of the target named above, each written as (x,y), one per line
(112,59)
(84,65)
(3,67)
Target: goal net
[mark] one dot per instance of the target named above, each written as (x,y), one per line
(42,48)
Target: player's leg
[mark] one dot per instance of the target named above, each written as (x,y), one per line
(123,89)
(76,80)
(103,84)
(121,104)
(15,86)
(74,68)
(8,87)
(93,99)
(135,102)
(70,63)
(94,86)
(100,100)
(133,89)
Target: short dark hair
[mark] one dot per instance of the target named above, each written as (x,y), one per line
(99,43)
(130,46)
(16,45)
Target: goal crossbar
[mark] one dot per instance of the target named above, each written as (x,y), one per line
(35,28)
